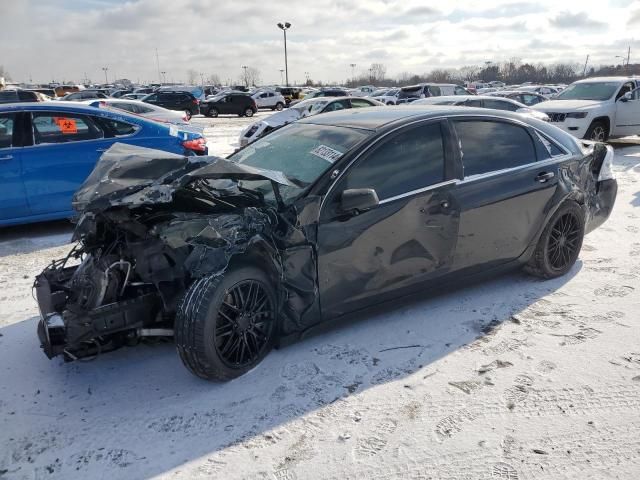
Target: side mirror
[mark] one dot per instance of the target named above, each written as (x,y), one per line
(359,199)
(626,97)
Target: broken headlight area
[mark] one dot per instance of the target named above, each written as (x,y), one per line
(142,243)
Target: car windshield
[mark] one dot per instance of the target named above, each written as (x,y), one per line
(303,152)
(589,91)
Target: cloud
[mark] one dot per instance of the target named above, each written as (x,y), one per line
(578,20)
(634,18)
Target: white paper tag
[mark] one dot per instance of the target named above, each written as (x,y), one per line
(326,153)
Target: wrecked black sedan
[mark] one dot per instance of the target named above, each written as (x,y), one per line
(319,219)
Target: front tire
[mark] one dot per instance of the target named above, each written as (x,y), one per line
(279,106)
(212,112)
(226,324)
(597,131)
(560,243)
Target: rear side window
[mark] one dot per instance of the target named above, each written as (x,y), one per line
(359,102)
(549,148)
(27,96)
(6,130)
(117,127)
(50,127)
(500,105)
(411,160)
(489,146)
(337,105)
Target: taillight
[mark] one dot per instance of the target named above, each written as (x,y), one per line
(195,101)
(196,145)
(606,169)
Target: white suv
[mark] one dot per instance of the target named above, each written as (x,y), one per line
(597,108)
(269,99)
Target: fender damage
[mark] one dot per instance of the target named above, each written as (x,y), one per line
(150,224)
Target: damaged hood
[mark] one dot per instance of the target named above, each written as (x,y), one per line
(128,175)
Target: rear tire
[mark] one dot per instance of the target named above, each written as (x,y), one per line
(188,114)
(248,112)
(279,106)
(212,113)
(560,243)
(597,131)
(226,324)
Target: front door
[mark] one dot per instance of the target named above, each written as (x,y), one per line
(13,200)
(628,115)
(66,148)
(408,238)
(506,190)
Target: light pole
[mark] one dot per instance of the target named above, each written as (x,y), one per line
(306,76)
(164,77)
(284,27)
(246,78)
(353,72)
(282,75)
(104,69)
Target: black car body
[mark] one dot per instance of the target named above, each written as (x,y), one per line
(13,96)
(324,217)
(175,100)
(233,103)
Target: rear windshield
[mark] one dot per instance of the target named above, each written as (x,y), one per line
(406,92)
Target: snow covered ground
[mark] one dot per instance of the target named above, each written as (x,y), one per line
(513,378)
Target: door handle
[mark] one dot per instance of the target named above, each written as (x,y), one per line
(444,204)
(544,176)
(5,158)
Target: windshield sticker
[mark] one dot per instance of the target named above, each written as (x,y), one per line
(67,126)
(326,153)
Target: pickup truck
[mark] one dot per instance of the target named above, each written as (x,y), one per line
(597,108)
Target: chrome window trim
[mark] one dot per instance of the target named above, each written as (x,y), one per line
(420,190)
(542,163)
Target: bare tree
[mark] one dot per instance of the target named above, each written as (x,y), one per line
(378,72)
(4,73)
(250,76)
(213,79)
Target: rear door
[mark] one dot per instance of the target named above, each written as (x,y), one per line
(66,146)
(13,199)
(506,189)
(628,115)
(408,238)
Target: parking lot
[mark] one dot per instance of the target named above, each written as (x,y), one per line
(514,378)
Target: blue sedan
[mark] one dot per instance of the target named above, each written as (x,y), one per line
(48,149)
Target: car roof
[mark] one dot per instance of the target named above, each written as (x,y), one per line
(375,118)
(606,79)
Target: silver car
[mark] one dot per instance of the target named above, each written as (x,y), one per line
(269,99)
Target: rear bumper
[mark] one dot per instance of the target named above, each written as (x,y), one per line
(607,191)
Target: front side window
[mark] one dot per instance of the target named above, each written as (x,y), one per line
(411,160)
(489,146)
(6,130)
(529,99)
(627,87)
(337,105)
(61,127)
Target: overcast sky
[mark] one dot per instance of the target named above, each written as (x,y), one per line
(47,40)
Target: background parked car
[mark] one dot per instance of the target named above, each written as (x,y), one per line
(83,95)
(290,93)
(305,108)
(11,96)
(234,103)
(269,99)
(134,96)
(49,148)
(388,96)
(597,108)
(175,100)
(482,101)
(425,90)
(527,98)
(146,110)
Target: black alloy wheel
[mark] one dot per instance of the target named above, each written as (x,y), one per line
(564,242)
(244,324)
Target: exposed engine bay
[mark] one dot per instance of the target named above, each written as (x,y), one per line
(150,224)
